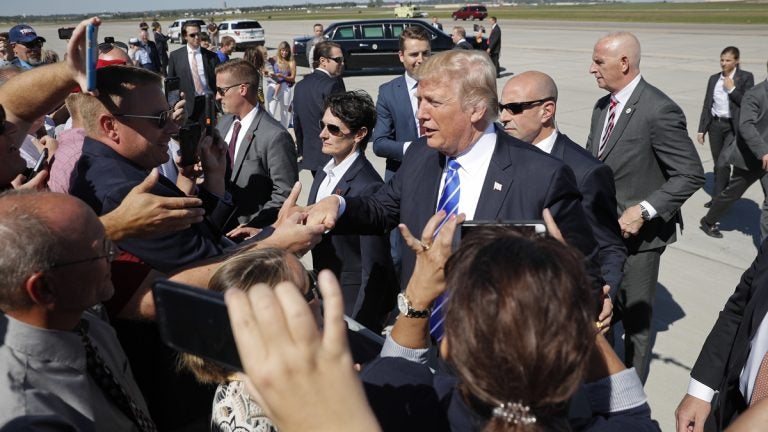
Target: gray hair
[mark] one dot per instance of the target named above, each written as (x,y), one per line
(28,247)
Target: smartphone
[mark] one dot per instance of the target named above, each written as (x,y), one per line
(209,119)
(65,33)
(172,92)
(30,173)
(189,139)
(91,55)
(195,321)
(530,227)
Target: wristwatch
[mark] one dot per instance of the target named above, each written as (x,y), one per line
(644,213)
(405,308)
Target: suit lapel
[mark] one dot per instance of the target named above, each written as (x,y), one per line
(498,181)
(597,128)
(402,92)
(624,118)
(319,177)
(246,142)
(558,150)
(345,182)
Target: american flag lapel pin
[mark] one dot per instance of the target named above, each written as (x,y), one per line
(496,186)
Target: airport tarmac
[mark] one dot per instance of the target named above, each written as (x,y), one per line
(698,273)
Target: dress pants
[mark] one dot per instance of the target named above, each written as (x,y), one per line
(495,60)
(720,136)
(740,181)
(634,307)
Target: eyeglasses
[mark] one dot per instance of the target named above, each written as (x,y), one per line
(338,60)
(162,119)
(109,249)
(332,129)
(312,293)
(518,107)
(223,90)
(2,120)
(193,35)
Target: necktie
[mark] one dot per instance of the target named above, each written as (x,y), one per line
(113,390)
(195,74)
(609,126)
(449,201)
(233,140)
(760,391)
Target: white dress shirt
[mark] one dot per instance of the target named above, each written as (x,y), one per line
(720,107)
(547,144)
(411,84)
(474,166)
(200,67)
(245,124)
(334,173)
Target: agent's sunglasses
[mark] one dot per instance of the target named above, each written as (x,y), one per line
(518,107)
(223,90)
(161,120)
(332,129)
(338,60)
(193,35)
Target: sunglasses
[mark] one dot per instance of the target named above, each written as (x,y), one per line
(193,35)
(518,107)
(332,129)
(162,119)
(338,60)
(312,293)
(223,90)
(109,252)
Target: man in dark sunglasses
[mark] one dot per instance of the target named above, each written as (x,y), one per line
(527,111)
(309,97)
(26,45)
(194,65)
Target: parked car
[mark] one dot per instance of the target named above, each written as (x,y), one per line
(245,32)
(409,11)
(371,44)
(470,12)
(174,30)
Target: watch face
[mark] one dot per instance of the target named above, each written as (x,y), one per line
(401,304)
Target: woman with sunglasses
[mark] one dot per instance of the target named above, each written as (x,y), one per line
(362,264)
(282,76)
(233,408)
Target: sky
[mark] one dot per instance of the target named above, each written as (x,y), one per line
(48,7)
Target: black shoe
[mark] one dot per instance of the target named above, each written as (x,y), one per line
(708,204)
(710,230)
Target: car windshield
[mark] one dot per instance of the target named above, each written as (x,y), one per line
(246,25)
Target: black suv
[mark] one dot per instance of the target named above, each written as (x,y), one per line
(471,12)
(371,44)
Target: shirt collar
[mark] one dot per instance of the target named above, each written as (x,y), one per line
(324,71)
(43,344)
(623,95)
(248,118)
(410,81)
(472,159)
(336,171)
(191,50)
(547,144)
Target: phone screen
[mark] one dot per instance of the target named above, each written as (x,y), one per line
(189,138)
(195,321)
(172,92)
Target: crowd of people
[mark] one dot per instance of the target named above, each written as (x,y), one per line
(108,191)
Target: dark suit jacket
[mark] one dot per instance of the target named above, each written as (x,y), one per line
(395,122)
(743,81)
(154,54)
(494,40)
(463,44)
(652,159)
(264,170)
(595,182)
(178,66)
(727,347)
(362,263)
(520,183)
(308,99)
(752,140)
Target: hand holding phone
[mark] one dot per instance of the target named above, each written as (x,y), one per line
(172,91)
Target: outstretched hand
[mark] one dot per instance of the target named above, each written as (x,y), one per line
(304,379)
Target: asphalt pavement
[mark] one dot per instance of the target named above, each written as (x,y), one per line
(698,273)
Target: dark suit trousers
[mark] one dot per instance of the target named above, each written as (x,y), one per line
(634,307)
(720,135)
(495,60)
(740,181)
